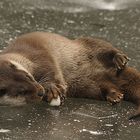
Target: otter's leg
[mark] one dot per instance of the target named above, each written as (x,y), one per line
(113,58)
(108,55)
(51,78)
(99,91)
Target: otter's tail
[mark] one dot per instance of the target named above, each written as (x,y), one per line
(136,115)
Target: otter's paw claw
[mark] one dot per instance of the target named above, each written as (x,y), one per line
(120,61)
(114,97)
(54,90)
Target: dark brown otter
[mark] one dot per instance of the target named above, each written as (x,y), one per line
(85,67)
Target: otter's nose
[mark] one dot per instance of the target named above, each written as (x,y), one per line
(40,94)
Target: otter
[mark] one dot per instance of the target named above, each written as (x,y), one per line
(50,67)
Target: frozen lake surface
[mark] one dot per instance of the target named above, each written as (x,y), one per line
(79,119)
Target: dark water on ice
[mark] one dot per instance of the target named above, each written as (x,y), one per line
(79,119)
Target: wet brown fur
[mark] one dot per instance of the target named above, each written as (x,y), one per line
(85,67)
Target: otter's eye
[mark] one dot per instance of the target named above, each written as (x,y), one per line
(12,66)
(2,91)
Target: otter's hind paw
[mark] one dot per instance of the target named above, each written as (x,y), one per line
(114,97)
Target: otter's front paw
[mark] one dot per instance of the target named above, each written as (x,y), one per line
(114,97)
(120,60)
(55,93)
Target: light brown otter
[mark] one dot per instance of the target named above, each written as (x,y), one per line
(85,67)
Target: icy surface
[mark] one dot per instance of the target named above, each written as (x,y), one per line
(79,119)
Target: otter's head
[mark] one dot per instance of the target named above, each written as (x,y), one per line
(17,86)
